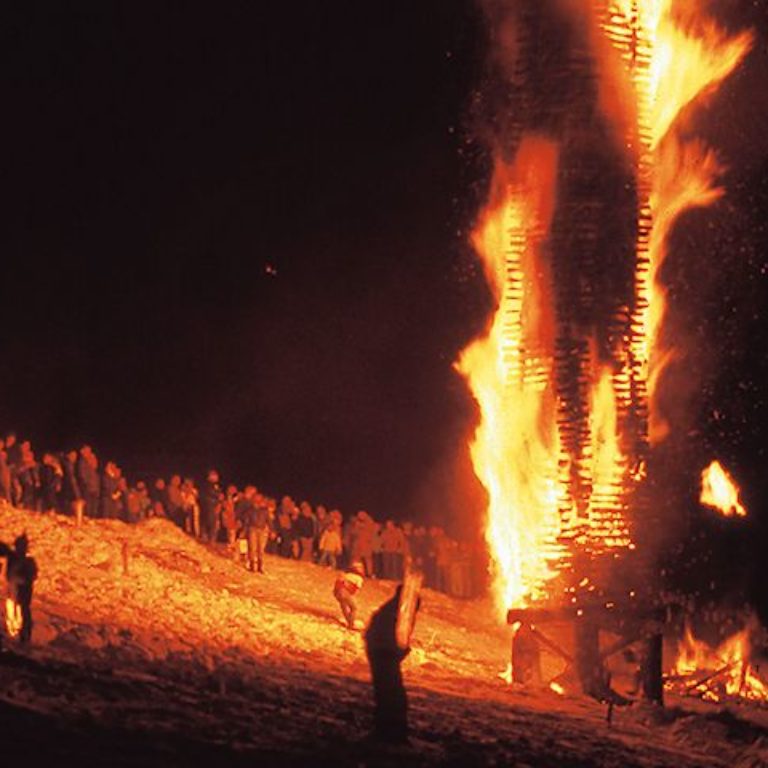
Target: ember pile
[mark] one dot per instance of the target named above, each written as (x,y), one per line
(729,671)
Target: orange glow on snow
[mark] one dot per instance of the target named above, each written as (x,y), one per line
(719,491)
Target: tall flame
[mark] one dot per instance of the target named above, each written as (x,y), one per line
(510,373)
(719,491)
(673,56)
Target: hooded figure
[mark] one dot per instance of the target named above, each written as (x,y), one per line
(385,654)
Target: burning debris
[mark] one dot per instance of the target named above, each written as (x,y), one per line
(730,670)
(719,491)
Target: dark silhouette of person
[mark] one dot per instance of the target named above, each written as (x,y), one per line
(390,718)
(254,516)
(87,471)
(71,496)
(20,576)
(211,500)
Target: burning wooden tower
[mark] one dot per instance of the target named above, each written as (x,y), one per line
(591,172)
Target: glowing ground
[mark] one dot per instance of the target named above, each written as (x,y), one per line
(191,660)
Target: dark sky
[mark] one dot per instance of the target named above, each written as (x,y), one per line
(234,239)
(237,236)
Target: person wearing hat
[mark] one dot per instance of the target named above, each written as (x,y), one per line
(347,585)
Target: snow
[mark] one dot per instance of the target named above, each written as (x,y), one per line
(190,659)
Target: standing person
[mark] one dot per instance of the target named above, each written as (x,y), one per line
(159,498)
(28,478)
(175,501)
(190,505)
(305,531)
(51,476)
(13,450)
(5,474)
(345,590)
(322,521)
(228,517)
(110,492)
(211,500)
(330,545)
(284,527)
(71,497)
(256,523)
(362,541)
(131,511)
(88,479)
(391,540)
(20,577)
(143,502)
(384,658)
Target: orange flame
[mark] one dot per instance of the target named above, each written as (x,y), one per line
(607,524)
(673,57)
(510,372)
(719,491)
(13,617)
(728,666)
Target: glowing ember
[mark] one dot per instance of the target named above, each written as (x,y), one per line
(557,688)
(719,491)
(724,671)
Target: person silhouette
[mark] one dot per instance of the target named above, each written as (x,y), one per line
(20,575)
(385,655)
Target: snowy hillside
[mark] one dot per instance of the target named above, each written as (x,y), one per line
(152,649)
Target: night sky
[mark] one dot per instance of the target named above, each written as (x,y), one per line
(238,237)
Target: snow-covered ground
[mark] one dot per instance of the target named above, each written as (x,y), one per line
(189,659)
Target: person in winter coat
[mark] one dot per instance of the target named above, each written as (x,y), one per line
(345,590)
(110,492)
(28,478)
(20,576)
(51,476)
(392,546)
(361,541)
(211,500)
(88,479)
(71,497)
(384,658)
(285,533)
(305,531)
(255,518)
(175,501)
(228,517)
(330,545)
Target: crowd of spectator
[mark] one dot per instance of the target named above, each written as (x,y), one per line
(246,521)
